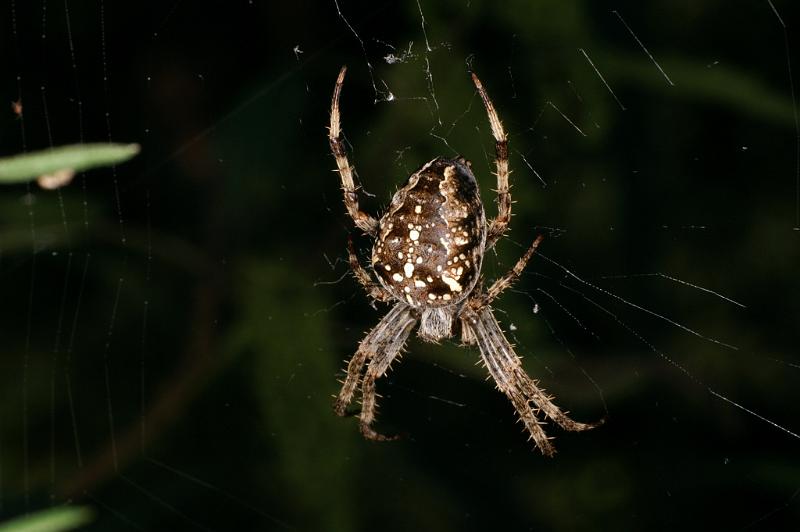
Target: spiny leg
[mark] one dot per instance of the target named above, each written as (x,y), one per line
(371,346)
(508,279)
(506,368)
(544,401)
(354,367)
(497,226)
(513,365)
(374,290)
(506,383)
(377,368)
(519,400)
(363,221)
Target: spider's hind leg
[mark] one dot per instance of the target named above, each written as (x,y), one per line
(506,369)
(391,343)
(354,367)
(380,347)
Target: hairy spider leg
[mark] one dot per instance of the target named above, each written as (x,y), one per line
(378,366)
(497,226)
(505,383)
(384,341)
(501,284)
(363,221)
(506,369)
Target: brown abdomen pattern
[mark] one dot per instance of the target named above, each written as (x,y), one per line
(430,242)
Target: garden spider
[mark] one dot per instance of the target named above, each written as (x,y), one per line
(428,250)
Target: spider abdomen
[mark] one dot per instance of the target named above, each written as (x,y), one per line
(430,242)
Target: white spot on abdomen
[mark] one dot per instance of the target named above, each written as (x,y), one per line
(454,285)
(409,269)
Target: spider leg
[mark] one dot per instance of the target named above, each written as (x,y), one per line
(506,368)
(508,279)
(374,290)
(386,339)
(507,384)
(363,221)
(354,368)
(393,343)
(371,345)
(498,226)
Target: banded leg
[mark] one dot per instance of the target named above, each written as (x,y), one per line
(506,369)
(363,221)
(501,284)
(513,365)
(378,366)
(374,290)
(497,226)
(381,339)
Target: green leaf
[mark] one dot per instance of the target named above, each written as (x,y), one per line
(75,158)
(52,520)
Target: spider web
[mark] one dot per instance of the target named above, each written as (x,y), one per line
(173,327)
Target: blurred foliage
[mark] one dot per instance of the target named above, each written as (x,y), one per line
(172,338)
(56,519)
(311,454)
(74,158)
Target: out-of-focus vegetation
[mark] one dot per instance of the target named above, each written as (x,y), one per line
(74,158)
(58,519)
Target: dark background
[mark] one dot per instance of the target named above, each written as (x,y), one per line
(172,331)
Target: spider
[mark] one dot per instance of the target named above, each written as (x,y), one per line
(427,256)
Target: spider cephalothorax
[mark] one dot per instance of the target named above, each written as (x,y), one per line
(428,250)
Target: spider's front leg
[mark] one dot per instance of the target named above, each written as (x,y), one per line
(363,221)
(498,226)
(380,347)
